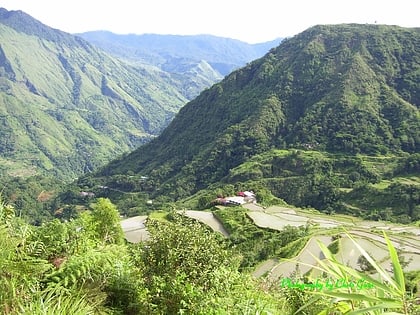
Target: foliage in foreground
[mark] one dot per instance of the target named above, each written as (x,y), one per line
(81,267)
(383,292)
(187,269)
(257,244)
(76,267)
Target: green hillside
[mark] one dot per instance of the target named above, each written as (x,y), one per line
(328,121)
(349,92)
(66,107)
(195,61)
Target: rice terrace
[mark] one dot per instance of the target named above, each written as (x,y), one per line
(171,174)
(324,229)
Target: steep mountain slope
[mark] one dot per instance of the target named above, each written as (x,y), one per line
(67,107)
(344,89)
(198,61)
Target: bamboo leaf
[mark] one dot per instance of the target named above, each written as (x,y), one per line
(374,308)
(378,268)
(349,296)
(330,257)
(396,266)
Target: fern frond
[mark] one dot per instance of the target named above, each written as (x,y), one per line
(93,266)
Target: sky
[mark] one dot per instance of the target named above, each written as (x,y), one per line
(251,21)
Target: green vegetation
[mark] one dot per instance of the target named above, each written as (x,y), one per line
(67,108)
(34,196)
(370,187)
(69,267)
(316,122)
(334,247)
(257,244)
(76,267)
(327,121)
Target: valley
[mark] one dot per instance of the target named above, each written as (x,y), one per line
(68,105)
(140,181)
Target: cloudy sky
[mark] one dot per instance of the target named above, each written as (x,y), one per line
(251,21)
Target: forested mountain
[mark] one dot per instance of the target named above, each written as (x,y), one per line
(66,107)
(346,90)
(328,120)
(200,60)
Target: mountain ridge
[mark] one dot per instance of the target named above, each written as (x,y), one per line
(67,107)
(350,89)
(90,100)
(223,54)
(23,22)
(198,61)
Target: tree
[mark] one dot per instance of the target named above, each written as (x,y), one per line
(106,222)
(364,264)
(185,265)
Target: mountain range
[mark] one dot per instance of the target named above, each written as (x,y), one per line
(328,121)
(223,54)
(67,107)
(347,90)
(200,60)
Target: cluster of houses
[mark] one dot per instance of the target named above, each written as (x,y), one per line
(241,198)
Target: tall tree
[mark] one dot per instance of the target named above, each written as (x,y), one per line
(106,220)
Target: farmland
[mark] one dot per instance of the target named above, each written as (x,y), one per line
(368,234)
(324,229)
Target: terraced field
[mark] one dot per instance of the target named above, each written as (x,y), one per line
(367,233)
(207,218)
(135,231)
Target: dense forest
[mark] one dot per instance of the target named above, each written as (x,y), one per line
(329,119)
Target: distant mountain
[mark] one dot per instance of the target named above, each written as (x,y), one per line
(344,89)
(223,54)
(200,60)
(67,107)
